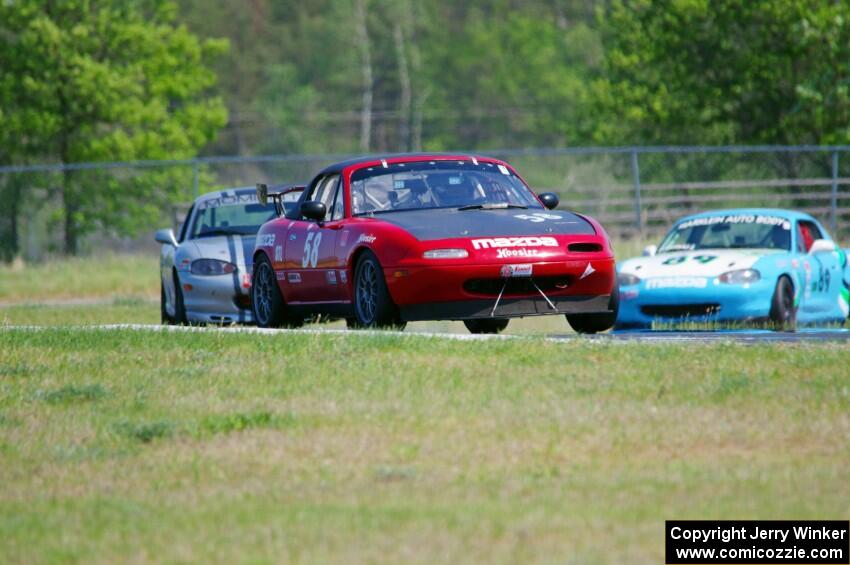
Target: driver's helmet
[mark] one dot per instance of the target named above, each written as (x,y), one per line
(452,189)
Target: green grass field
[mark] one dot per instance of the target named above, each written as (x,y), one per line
(211,446)
(208,446)
(106,277)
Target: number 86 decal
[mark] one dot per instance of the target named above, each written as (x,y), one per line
(311,249)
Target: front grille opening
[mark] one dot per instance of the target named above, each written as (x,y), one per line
(492,287)
(680,310)
(584,247)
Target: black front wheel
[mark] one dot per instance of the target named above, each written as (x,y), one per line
(164,318)
(486,325)
(597,322)
(373,306)
(267,303)
(179,307)
(783,313)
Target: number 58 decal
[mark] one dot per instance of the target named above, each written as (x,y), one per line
(311,249)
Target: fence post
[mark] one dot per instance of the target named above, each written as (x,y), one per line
(636,180)
(833,203)
(195,188)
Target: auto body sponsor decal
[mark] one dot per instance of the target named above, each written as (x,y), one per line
(366,238)
(293,278)
(677,282)
(278,253)
(512,271)
(281,275)
(330,277)
(343,238)
(736,219)
(507,242)
(343,277)
(265,240)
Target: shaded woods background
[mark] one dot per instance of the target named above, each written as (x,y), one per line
(155,79)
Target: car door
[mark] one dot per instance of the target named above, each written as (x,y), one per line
(822,272)
(311,263)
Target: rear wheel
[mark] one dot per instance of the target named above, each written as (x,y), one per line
(267,303)
(486,325)
(373,307)
(594,323)
(783,314)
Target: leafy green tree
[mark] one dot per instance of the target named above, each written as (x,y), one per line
(115,80)
(725,71)
(513,79)
(432,74)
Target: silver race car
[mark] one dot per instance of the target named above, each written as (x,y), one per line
(205,270)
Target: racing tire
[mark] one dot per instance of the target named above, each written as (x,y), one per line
(486,325)
(164,318)
(597,322)
(783,314)
(267,303)
(373,306)
(179,306)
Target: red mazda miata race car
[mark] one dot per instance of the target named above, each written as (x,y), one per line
(384,241)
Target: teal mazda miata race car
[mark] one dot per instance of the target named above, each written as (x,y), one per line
(776,267)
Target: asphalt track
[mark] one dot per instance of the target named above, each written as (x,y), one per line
(808,335)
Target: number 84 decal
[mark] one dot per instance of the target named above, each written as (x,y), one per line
(703,259)
(311,249)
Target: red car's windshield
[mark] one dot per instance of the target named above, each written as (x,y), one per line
(437,184)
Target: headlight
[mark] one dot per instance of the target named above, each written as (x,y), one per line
(446,254)
(625,279)
(211,267)
(741,276)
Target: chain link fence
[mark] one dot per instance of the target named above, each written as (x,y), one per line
(636,192)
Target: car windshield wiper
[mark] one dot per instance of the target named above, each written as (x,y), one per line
(492,206)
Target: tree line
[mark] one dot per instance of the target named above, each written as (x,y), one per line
(87,80)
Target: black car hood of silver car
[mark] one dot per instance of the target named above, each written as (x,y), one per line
(443,223)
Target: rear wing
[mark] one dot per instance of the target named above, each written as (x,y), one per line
(277,193)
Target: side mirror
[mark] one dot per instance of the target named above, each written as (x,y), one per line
(165,237)
(314,210)
(550,200)
(822,246)
(650,250)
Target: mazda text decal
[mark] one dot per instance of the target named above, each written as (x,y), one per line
(507,242)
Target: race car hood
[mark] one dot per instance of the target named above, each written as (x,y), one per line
(426,225)
(236,249)
(701,263)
